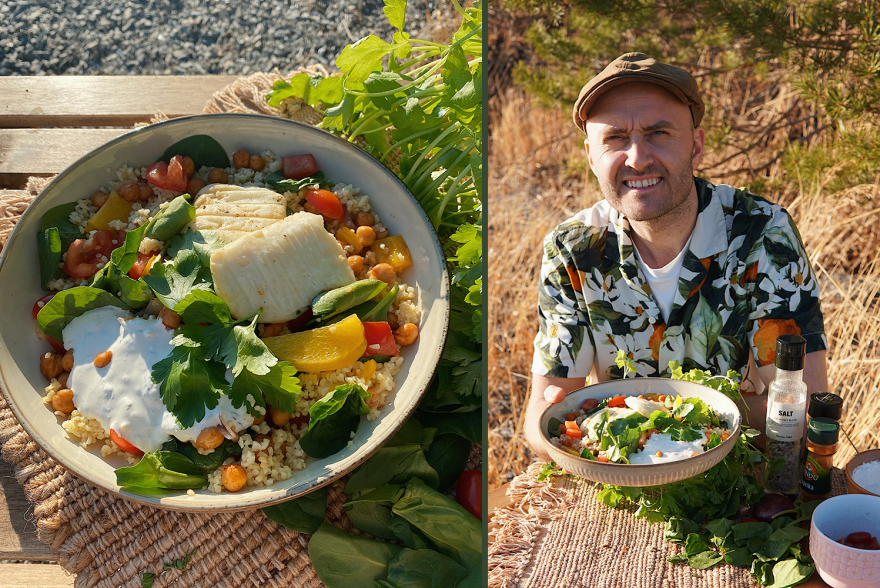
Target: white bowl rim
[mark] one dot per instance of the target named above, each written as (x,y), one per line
(246,503)
(633,467)
(846,548)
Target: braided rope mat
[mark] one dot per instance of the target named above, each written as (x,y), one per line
(556,534)
(108,541)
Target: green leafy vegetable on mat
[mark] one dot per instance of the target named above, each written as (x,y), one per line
(202,149)
(148,578)
(304,514)
(69,304)
(333,419)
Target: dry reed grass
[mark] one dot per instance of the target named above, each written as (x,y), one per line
(530,194)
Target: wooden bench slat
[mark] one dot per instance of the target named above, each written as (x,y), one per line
(96,101)
(45,152)
(42,575)
(18,535)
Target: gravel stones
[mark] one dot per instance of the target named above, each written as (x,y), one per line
(174,37)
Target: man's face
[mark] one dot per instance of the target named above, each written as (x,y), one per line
(643,149)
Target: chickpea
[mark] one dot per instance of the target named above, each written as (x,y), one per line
(169,318)
(658,454)
(391,318)
(257,162)
(50,365)
(273,329)
(209,438)
(366,235)
(189,168)
(99,198)
(259,420)
(62,401)
(406,334)
(381,231)
(241,159)
(279,418)
(103,359)
(356,263)
(145,191)
(62,379)
(129,191)
(67,361)
(218,175)
(233,477)
(384,272)
(364,219)
(194,186)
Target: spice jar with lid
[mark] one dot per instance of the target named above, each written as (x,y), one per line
(822,436)
(786,415)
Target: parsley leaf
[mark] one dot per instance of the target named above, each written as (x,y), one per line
(279,387)
(173,281)
(188,384)
(204,243)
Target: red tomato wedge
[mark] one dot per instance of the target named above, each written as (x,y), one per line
(123,444)
(469,492)
(297,167)
(139,267)
(380,339)
(617,402)
(168,176)
(83,255)
(589,404)
(39,304)
(299,323)
(326,202)
(56,344)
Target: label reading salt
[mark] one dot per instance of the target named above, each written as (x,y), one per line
(785,421)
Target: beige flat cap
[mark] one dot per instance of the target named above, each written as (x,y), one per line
(638,67)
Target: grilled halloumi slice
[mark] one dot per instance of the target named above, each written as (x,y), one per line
(235,211)
(280,268)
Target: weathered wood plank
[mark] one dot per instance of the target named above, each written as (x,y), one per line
(45,152)
(30,575)
(101,101)
(18,535)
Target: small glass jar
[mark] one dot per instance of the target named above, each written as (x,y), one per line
(822,437)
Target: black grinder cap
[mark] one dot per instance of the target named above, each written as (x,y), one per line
(825,405)
(790,352)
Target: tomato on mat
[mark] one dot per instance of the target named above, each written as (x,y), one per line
(123,444)
(326,202)
(84,255)
(168,176)
(469,492)
(297,167)
(380,339)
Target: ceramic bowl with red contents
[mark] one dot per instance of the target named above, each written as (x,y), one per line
(836,519)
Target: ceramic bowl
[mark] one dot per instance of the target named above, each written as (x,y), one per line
(841,566)
(651,474)
(20,378)
(857,460)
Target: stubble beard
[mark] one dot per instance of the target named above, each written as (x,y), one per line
(675,189)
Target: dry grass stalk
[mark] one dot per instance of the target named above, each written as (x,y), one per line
(530,195)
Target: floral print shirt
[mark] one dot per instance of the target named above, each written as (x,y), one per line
(745,280)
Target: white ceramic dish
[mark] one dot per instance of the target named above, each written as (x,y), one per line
(22,383)
(841,566)
(642,475)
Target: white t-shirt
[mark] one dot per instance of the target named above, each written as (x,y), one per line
(664,280)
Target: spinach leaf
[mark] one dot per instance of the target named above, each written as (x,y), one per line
(678,529)
(188,383)
(170,221)
(554,427)
(161,470)
(202,242)
(402,458)
(69,304)
(202,149)
(378,311)
(740,556)
(705,560)
(208,462)
(124,256)
(449,527)
(59,218)
(742,532)
(466,424)
(304,514)
(135,293)
(371,513)
(345,561)
(789,573)
(333,419)
(281,185)
(448,455)
(780,540)
(332,302)
(422,568)
(49,247)
(694,544)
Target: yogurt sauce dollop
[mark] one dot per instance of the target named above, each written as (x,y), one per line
(670,450)
(122,395)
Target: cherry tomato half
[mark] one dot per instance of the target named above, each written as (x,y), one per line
(168,176)
(380,339)
(141,266)
(123,444)
(39,304)
(326,202)
(469,492)
(297,167)
(83,255)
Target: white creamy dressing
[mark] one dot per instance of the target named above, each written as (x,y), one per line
(122,396)
(671,450)
(867,476)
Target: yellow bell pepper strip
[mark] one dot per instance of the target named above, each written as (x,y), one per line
(393,251)
(114,209)
(324,349)
(349,237)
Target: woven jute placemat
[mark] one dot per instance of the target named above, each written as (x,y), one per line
(108,541)
(556,534)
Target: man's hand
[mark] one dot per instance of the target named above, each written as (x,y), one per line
(545,391)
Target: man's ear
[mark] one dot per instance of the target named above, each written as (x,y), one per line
(699,142)
(589,157)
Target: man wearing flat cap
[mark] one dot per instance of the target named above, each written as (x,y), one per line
(668,266)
